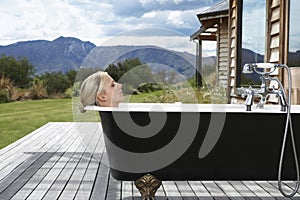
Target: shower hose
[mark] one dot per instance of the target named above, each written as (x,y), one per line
(288,125)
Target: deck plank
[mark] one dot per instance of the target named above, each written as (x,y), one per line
(230,191)
(14,157)
(84,190)
(288,186)
(185,190)
(171,190)
(69,161)
(214,190)
(258,190)
(243,190)
(76,184)
(25,140)
(200,190)
(127,190)
(25,171)
(273,191)
(114,189)
(50,178)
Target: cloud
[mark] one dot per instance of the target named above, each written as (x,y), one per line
(180,5)
(48,20)
(94,21)
(253,33)
(294,43)
(128,8)
(161,37)
(176,43)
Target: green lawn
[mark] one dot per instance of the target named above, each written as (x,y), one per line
(17,119)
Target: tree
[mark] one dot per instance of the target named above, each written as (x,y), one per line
(20,71)
(131,73)
(55,82)
(71,75)
(122,67)
(84,72)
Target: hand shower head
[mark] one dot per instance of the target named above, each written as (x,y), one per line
(260,68)
(247,69)
(265,65)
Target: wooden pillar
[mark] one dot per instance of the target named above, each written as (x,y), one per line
(199,64)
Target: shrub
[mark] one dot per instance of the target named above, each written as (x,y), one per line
(69,93)
(4,96)
(149,87)
(20,71)
(6,88)
(56,83)
(37,91)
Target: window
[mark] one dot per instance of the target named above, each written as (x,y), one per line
(294,34)
(253,39)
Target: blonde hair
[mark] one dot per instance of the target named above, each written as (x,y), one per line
(91,87)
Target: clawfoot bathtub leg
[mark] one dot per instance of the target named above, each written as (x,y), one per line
(147,185)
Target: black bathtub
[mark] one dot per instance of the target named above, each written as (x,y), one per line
(197,142)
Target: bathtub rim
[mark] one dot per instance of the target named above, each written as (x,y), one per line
(181,107)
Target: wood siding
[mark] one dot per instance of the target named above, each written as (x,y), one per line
(276,49)
(274,39)
(222,61)
(232,49)
(273,34)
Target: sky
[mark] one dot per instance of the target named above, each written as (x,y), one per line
(103,22)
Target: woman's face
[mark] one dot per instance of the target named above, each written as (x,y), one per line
(112,94)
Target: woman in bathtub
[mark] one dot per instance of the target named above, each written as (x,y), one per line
(100,89)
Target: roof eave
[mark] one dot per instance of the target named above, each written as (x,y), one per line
(213,15)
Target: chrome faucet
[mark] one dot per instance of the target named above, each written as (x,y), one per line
(264,91)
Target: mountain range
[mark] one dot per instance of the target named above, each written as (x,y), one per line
(66,53)
(61,54)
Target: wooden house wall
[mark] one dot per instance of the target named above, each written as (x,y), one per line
(276,49)
(232,54)
(273,35)
(274,39)
(222,61)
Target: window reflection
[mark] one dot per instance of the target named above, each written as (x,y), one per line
(294,34)
(253,37)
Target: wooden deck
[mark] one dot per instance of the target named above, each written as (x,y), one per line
(53,163)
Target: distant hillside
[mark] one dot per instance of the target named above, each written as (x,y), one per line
(155,57)
(250,57)
(294,59)
(65,53)
(61,54)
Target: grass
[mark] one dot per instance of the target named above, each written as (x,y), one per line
(141,97)
(20,118)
